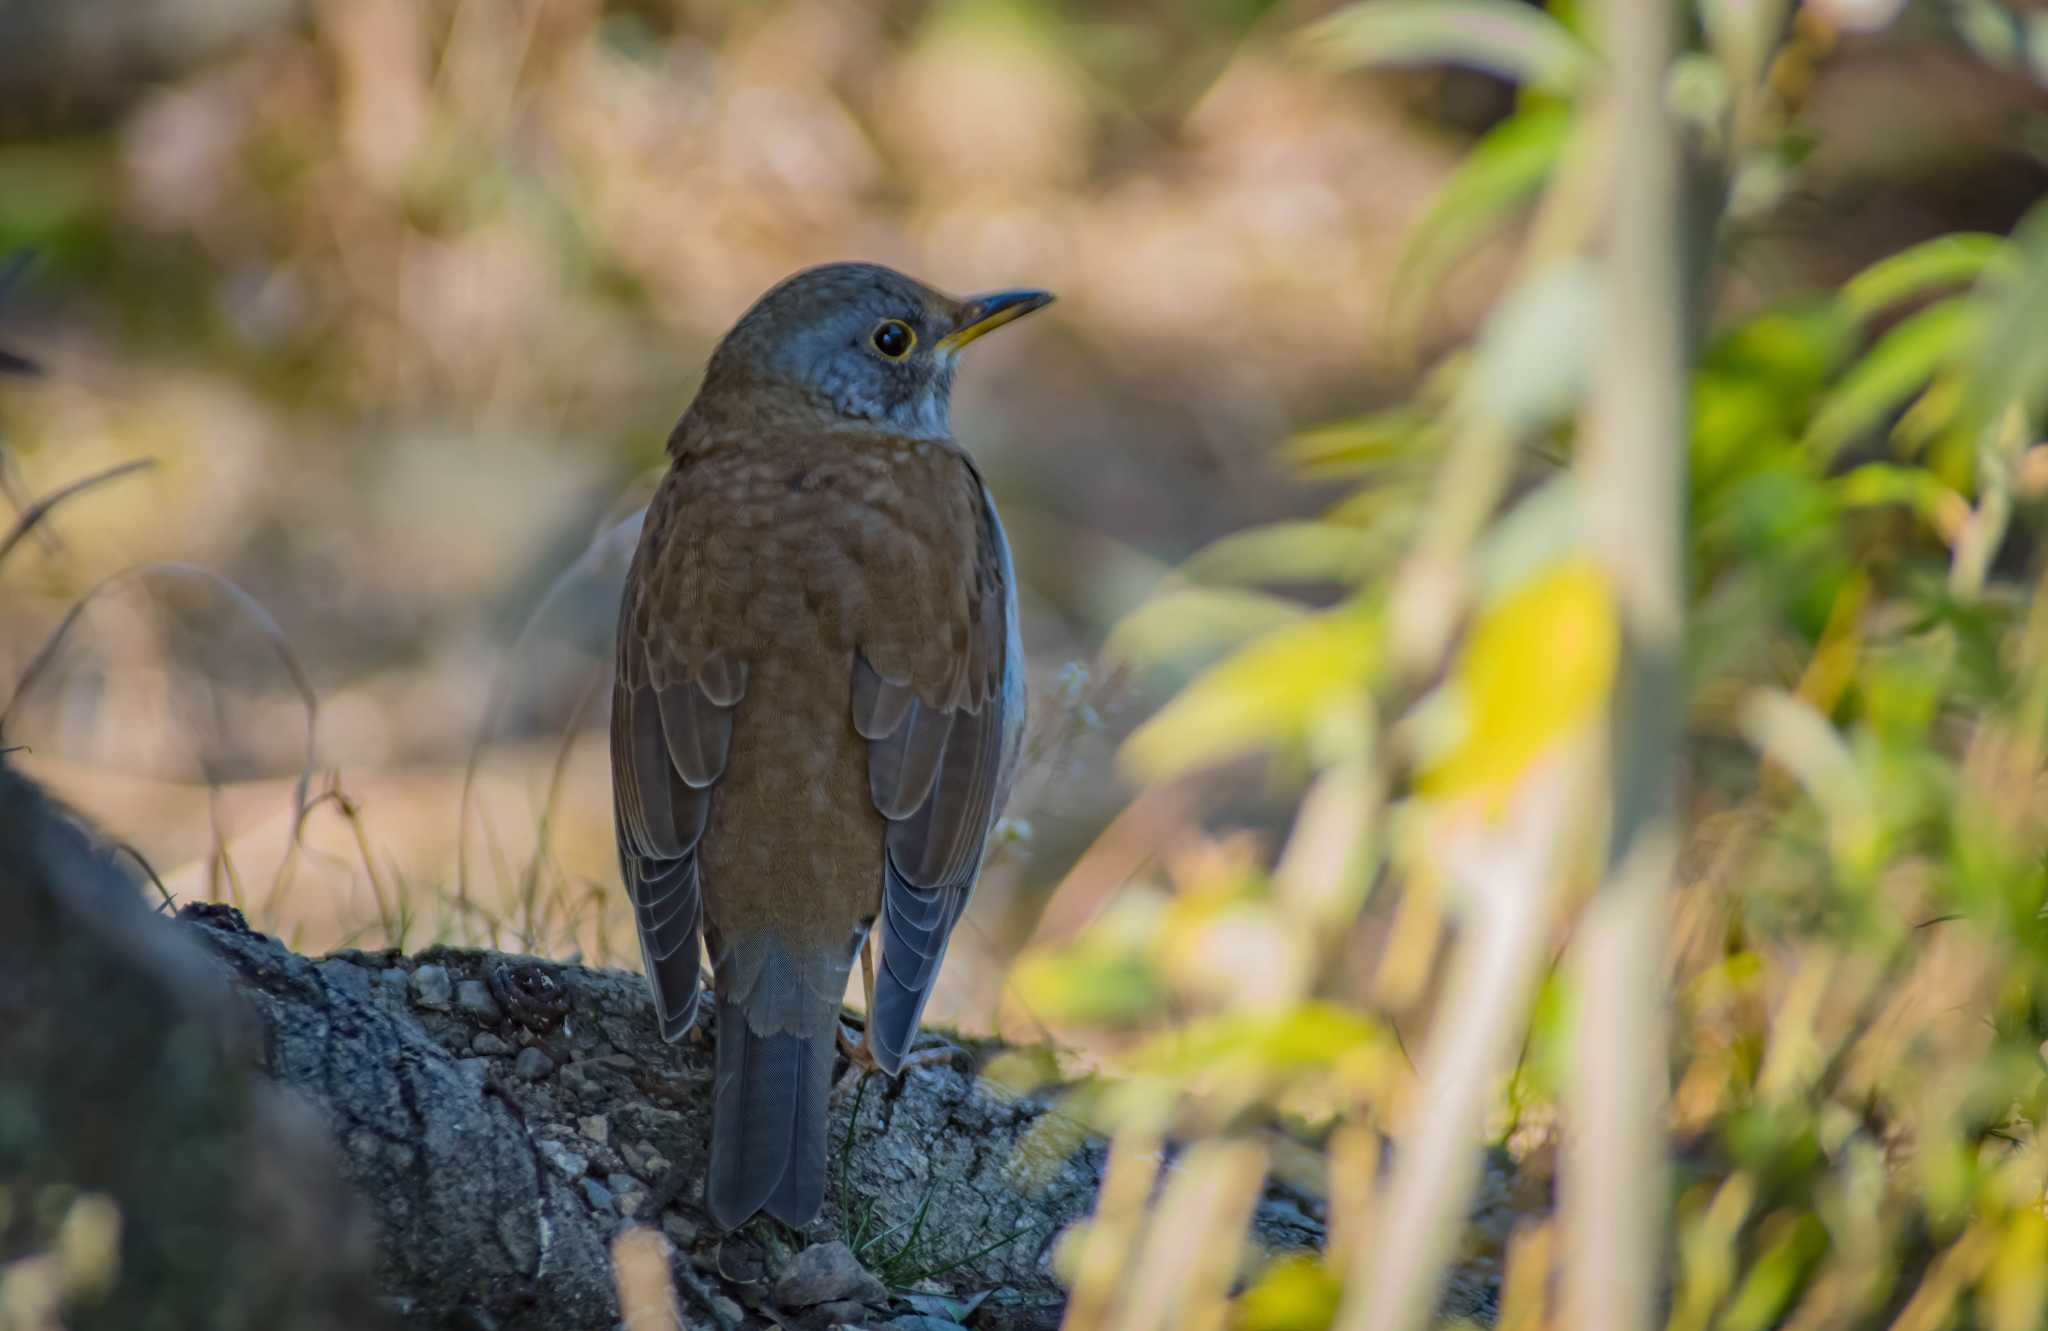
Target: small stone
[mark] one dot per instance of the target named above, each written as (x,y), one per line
(726,1311)
(431,988)
(658,1165)
(681,1231)
(561,1157)
(347,976)
(600,1196)
(596,1127)
(827,1273)
(635,1156)
(629,1202)
(532,1064)
(919,1322)
(842,1312)
(474,998)
(393,978)
(489,1045)
(621,1182)
(476,1069)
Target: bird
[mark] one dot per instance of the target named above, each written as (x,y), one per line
(818,705)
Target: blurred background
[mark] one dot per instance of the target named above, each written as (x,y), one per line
(402,296)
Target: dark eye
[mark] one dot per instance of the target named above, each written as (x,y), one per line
(893,338)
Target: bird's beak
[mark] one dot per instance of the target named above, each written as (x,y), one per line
(985,314)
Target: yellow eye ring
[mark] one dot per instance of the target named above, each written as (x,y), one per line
(893,338)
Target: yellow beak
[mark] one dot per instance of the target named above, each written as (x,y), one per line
(985,314)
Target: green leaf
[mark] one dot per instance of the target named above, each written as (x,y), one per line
(1104,977)
(2012,366)
(1945,261)
(1754,392)
(1515,41)
(1539,532)
(1310,1037)
(1294,552)
(1535,349)
(1503,169)
(1272,692)
(1795,350)
(1196,622)
(1369,444)
(1796,1242)
(1880,484)
(1903,360)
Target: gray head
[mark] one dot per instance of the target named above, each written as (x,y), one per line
(854,344)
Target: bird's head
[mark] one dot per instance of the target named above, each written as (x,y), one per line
(856,343)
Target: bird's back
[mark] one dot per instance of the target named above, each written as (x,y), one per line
(785,560)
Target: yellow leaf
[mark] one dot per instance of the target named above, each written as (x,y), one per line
(2016,1286)
(1295,1293)
(1536,669)
(1276,690)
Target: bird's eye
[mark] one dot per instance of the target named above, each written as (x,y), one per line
(893,338)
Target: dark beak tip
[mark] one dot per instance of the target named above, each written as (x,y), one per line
(1022,300)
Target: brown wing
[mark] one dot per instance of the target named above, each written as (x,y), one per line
(940,759)
(670,741)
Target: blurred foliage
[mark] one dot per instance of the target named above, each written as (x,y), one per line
(1859,966)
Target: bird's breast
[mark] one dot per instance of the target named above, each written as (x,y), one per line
(804,552)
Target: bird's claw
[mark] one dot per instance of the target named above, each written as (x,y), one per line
(859,1058)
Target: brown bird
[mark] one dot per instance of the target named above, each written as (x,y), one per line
(819,701)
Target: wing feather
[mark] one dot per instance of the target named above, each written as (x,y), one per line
(939,766)
(670,743)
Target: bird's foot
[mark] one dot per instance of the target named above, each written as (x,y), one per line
(937,1049)
(860,1059)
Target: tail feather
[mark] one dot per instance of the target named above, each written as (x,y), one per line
(769,1097)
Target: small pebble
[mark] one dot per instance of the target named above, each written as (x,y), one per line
(600,1196)
(680,1230)
(476,1069)
(844,1312)
(347,976)
(474,998)
(395,978)
(596,1127)
(489,1044)
(726,1311)
(561,1157)
(827,1273)
(431,988)
(532,1064)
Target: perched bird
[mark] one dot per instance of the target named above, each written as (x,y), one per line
(819,702)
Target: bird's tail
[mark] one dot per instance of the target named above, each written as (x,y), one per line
(777,1014)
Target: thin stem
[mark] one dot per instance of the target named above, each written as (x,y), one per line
(1614,1182)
